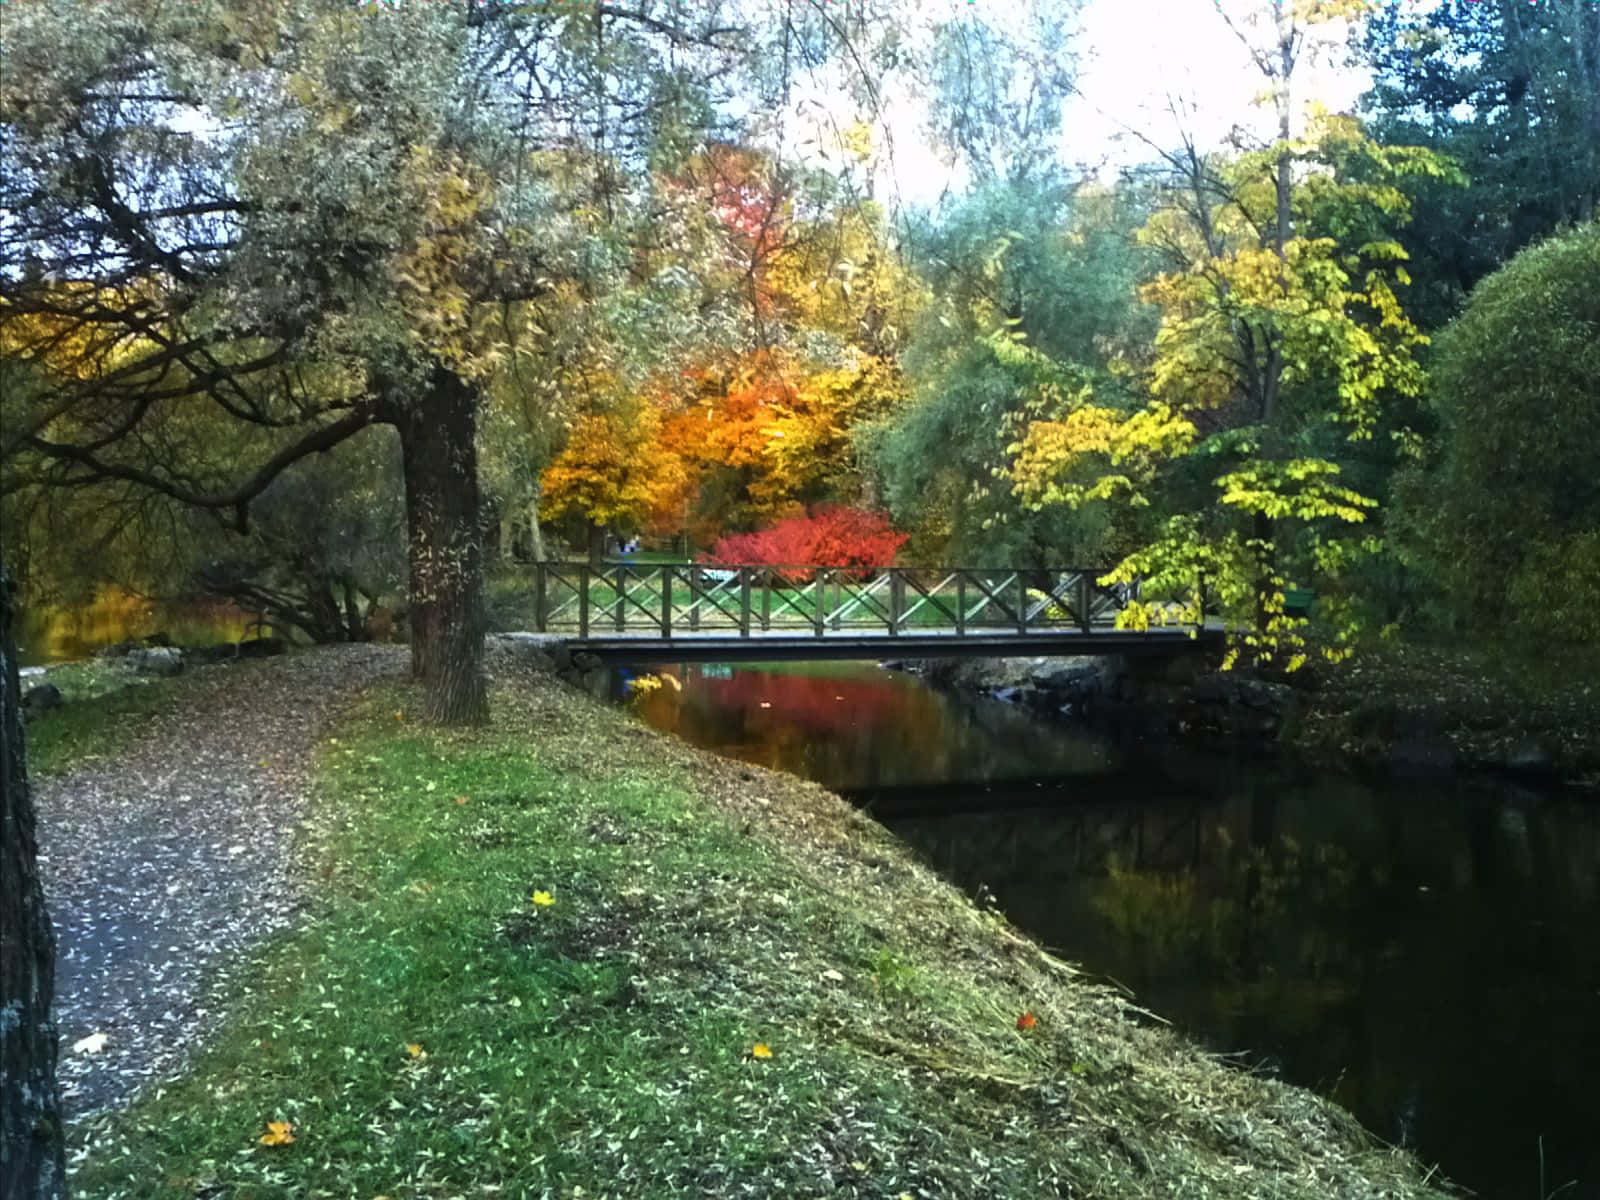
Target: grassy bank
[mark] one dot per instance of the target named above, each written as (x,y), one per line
(103,703)
(567,956)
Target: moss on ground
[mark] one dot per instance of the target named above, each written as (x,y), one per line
(435,1029)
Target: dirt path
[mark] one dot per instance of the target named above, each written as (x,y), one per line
(162,864)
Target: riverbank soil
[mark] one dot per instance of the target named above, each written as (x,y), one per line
(565,955)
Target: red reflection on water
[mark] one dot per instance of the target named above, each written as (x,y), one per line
(802,723)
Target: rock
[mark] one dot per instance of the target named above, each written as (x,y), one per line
(264,647)
(542,651)
(1184,669)
(1423,754)
(1229,687)
(1529,760)
(261,647)
(200,655)
(41,697)
(1037,698)
(30,672)
(157,660)
(1075,685)
(1232,705)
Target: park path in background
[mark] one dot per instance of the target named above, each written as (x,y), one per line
(166,861)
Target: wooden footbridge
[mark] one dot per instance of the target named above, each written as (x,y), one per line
(690,612)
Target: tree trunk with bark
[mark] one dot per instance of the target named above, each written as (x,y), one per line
(32,1149)
(439,454)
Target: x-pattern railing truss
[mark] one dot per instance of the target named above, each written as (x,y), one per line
(669,599)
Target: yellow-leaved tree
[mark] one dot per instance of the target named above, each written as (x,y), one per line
(1281,334)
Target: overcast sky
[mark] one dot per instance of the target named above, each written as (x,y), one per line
(1135,55)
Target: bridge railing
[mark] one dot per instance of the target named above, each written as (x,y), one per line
(674,599)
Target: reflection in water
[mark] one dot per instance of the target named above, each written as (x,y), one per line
(60,634)
(851,726)
(1426,953)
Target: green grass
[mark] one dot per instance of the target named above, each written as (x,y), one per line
(601,1046)
(105,703)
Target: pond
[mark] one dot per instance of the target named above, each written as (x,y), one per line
(54,634)
(1427,953)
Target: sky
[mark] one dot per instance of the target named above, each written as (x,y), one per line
(1135,56)
(1137,53)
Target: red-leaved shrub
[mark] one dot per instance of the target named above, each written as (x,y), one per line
(831,536)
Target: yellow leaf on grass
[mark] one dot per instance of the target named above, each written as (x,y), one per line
(415,1050)
(543,899)
(279,1133)
(761,1050)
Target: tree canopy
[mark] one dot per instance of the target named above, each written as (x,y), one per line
(1506,512)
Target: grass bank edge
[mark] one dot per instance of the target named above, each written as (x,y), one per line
(434,1031)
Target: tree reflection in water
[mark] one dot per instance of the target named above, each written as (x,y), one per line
(1428,953)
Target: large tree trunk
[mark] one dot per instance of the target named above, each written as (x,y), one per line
(439,455)
(32,1151)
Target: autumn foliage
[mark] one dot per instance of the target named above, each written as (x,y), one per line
(831,536)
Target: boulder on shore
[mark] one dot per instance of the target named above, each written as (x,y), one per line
(41,697)
(157,660)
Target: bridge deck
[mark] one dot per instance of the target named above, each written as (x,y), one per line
(785,645)
(688,612)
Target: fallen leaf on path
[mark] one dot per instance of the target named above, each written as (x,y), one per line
(92,1044)
(543,899)
(761,1050)
(1027,1021)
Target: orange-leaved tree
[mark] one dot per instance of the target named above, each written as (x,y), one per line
(615,473)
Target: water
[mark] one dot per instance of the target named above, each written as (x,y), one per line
(1426,953)
(54,634)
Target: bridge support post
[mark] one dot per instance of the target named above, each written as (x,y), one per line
(666,601)
(744,601)
(541,607)
(819,594)
(1022,602)
(897,599)
(961,603)
(583,602)
(1085,599)
(622,597)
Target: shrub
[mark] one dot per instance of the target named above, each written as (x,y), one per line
(830,536)
(1507,515)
